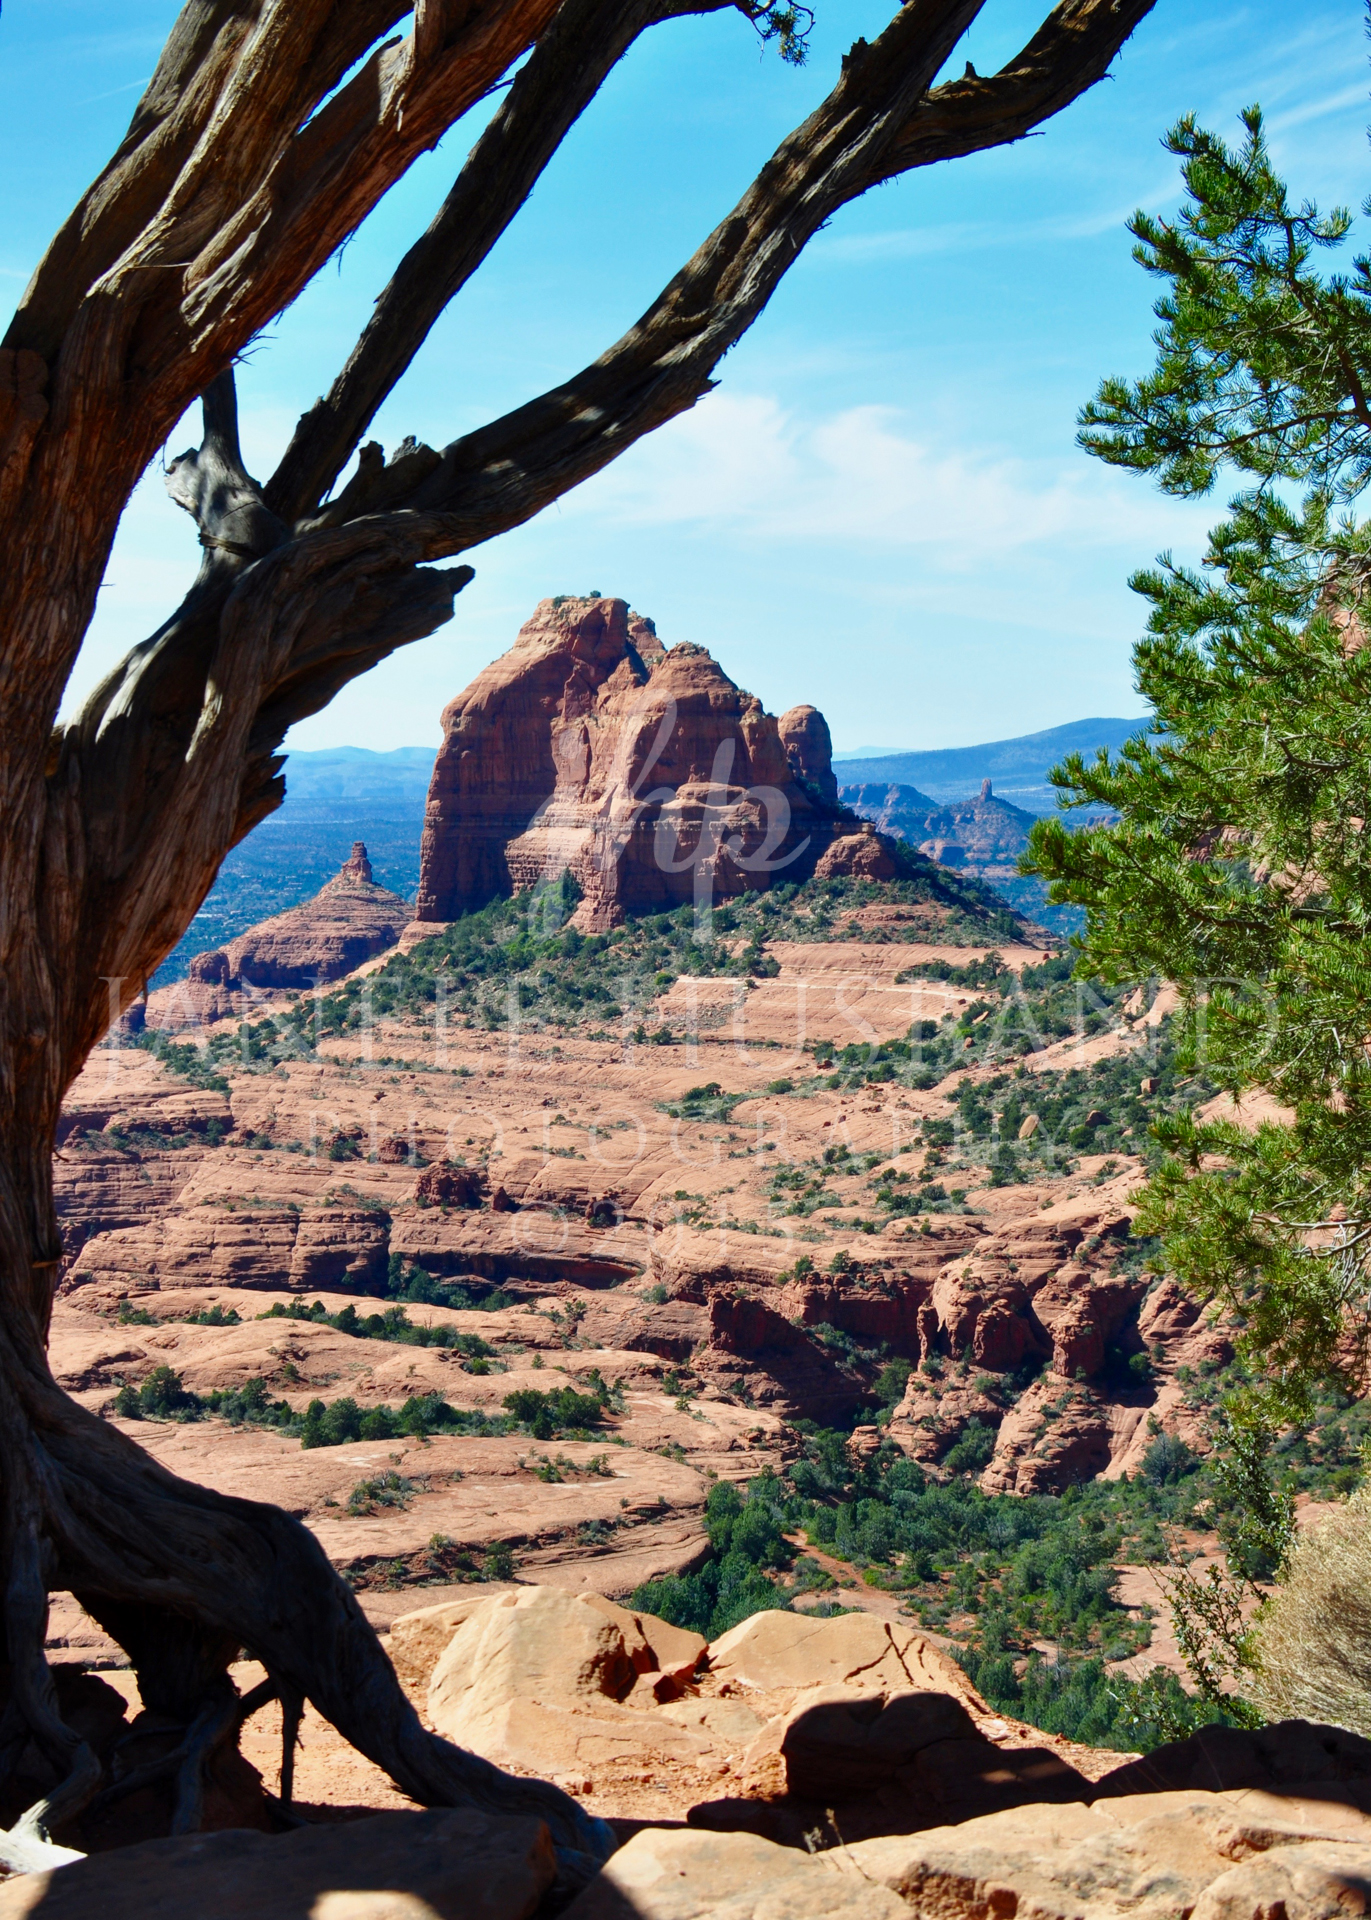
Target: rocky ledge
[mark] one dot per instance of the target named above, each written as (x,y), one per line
(842,1769)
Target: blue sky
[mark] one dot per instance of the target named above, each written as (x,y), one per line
(882,508)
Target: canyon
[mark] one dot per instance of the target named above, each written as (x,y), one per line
(492,1237)
(564,1177)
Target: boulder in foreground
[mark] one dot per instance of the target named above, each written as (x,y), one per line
(1215,1856)
(666,1875)
(1152,1856)
(440,1865)
(535,1679)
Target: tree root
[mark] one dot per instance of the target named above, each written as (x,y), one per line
(189,1761)
(292,1712)
(183,1577)
(32,1711)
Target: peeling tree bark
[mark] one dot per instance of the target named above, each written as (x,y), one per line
(251,157)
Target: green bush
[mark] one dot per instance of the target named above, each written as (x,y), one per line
(973,1450)
(160,1397)
(558,1411)
(1080,1699)
(745,1535)
(342,1421)
(394,1324)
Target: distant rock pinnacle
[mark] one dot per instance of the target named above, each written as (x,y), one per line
(357,866)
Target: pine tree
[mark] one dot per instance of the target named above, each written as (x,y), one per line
(1239,864)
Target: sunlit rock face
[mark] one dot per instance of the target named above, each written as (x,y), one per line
(646,773)
(349,920)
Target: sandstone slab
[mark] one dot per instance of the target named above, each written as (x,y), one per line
(771,1651)
(663,1875)
(419,1639)
(836,1743)
(535,1679)
(1152,1856)
(438,1865)
(1323,1880)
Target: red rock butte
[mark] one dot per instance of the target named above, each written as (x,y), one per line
(348,920)
(592,749)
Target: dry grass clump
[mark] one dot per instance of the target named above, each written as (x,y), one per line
(1312,1640)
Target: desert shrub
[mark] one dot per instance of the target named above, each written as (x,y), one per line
(386,1490)
(161,1397)
(394,1324)
(973,1450)
(746,1539)
(1167,1460)
(215,1316)
(891,1382)
(342,1421)
(1080,1699)
(1312,1641)
(559,1411)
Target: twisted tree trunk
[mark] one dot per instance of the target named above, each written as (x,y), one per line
(249,160)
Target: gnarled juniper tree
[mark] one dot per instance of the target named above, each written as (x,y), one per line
(269,131)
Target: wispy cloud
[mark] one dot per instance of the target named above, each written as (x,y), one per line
(966,236)
(1300,116)
(753,472)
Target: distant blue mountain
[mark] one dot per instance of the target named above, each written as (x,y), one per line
(356,773)
(1018,769)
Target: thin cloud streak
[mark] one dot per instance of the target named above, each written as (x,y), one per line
(753,471)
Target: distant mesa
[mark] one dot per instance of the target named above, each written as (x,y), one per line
(591,748)
(348,921)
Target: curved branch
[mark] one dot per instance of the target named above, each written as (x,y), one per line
(187,729)
(175,762)
(501,475)
(567,68)
(1069,54)
(209,275)
(207,45)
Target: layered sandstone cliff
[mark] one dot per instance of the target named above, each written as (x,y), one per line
(647,774)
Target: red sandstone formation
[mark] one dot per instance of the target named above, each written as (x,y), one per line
(588,747)
(348,920)
(809,749)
